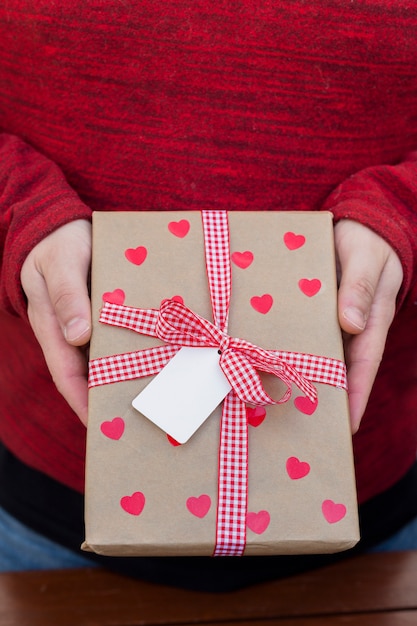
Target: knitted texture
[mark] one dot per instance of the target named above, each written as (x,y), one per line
(243,105)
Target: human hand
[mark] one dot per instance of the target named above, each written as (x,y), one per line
(54,278)
(370,278)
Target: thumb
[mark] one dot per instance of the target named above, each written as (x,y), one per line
(356,294)
(359,280)
(66,279)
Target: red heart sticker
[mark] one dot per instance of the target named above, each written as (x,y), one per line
(114,297)
(258,522)
(179,229)
(133,504)
(242,259)
(173,441)
(309,287)
(262,304)
(179,299)
(305,405)
(136,255)
(199,506)
(113,429)
(255,415)
(293,241)
(297,469)
(332,511)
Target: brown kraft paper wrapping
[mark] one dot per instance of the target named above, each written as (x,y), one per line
(146,496)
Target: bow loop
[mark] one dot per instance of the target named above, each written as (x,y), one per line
(244,379)
(180,325)
(271,362)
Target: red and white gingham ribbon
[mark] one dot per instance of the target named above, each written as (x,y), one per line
(178,326)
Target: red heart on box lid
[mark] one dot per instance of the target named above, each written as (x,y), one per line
(333,512)
(199,506)
(133,504)
(258,522)
(309,287)
(179,229)
(113,429)
(262,304)
(255,415)
(117,296)
(293,241)
(297,469)
(242,259)
(136,255)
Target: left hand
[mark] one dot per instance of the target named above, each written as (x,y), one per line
(370,278)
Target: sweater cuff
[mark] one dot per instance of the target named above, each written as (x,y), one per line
(19,244)
(397,225)
(35,200)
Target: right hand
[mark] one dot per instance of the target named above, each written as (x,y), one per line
(371,277)
(54,278)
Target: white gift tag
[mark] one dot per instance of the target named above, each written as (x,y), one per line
(185,392)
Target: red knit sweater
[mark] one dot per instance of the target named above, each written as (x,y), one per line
(238,104)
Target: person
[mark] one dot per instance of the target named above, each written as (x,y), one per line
(246,105)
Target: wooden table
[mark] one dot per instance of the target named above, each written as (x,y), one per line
(376,589)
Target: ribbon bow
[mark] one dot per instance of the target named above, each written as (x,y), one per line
(178,326)
(239,359)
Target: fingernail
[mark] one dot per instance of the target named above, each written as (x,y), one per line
(355,317)
(75,329)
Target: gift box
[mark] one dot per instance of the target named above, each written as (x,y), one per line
(270,469)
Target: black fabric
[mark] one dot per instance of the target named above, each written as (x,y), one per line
(57,512)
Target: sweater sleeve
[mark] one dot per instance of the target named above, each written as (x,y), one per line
(384,198)
(35,199)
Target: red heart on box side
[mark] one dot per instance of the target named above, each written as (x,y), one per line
(173,441)
(133,504)
(179,299)
(242,259)
(179,229)
(309,287)
(136,255)
(258,522)
(305,405)
(332,511)
(199,506)
(262,304)
(113,429)
(293,241)
(297,469)
(114,297)
(255,415)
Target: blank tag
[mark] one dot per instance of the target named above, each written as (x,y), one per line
(185,392)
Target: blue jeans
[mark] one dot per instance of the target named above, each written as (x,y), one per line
(23,549)
(404,539)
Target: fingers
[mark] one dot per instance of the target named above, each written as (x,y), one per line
(371,277)
(67,364)
(54,278)
(363,357)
